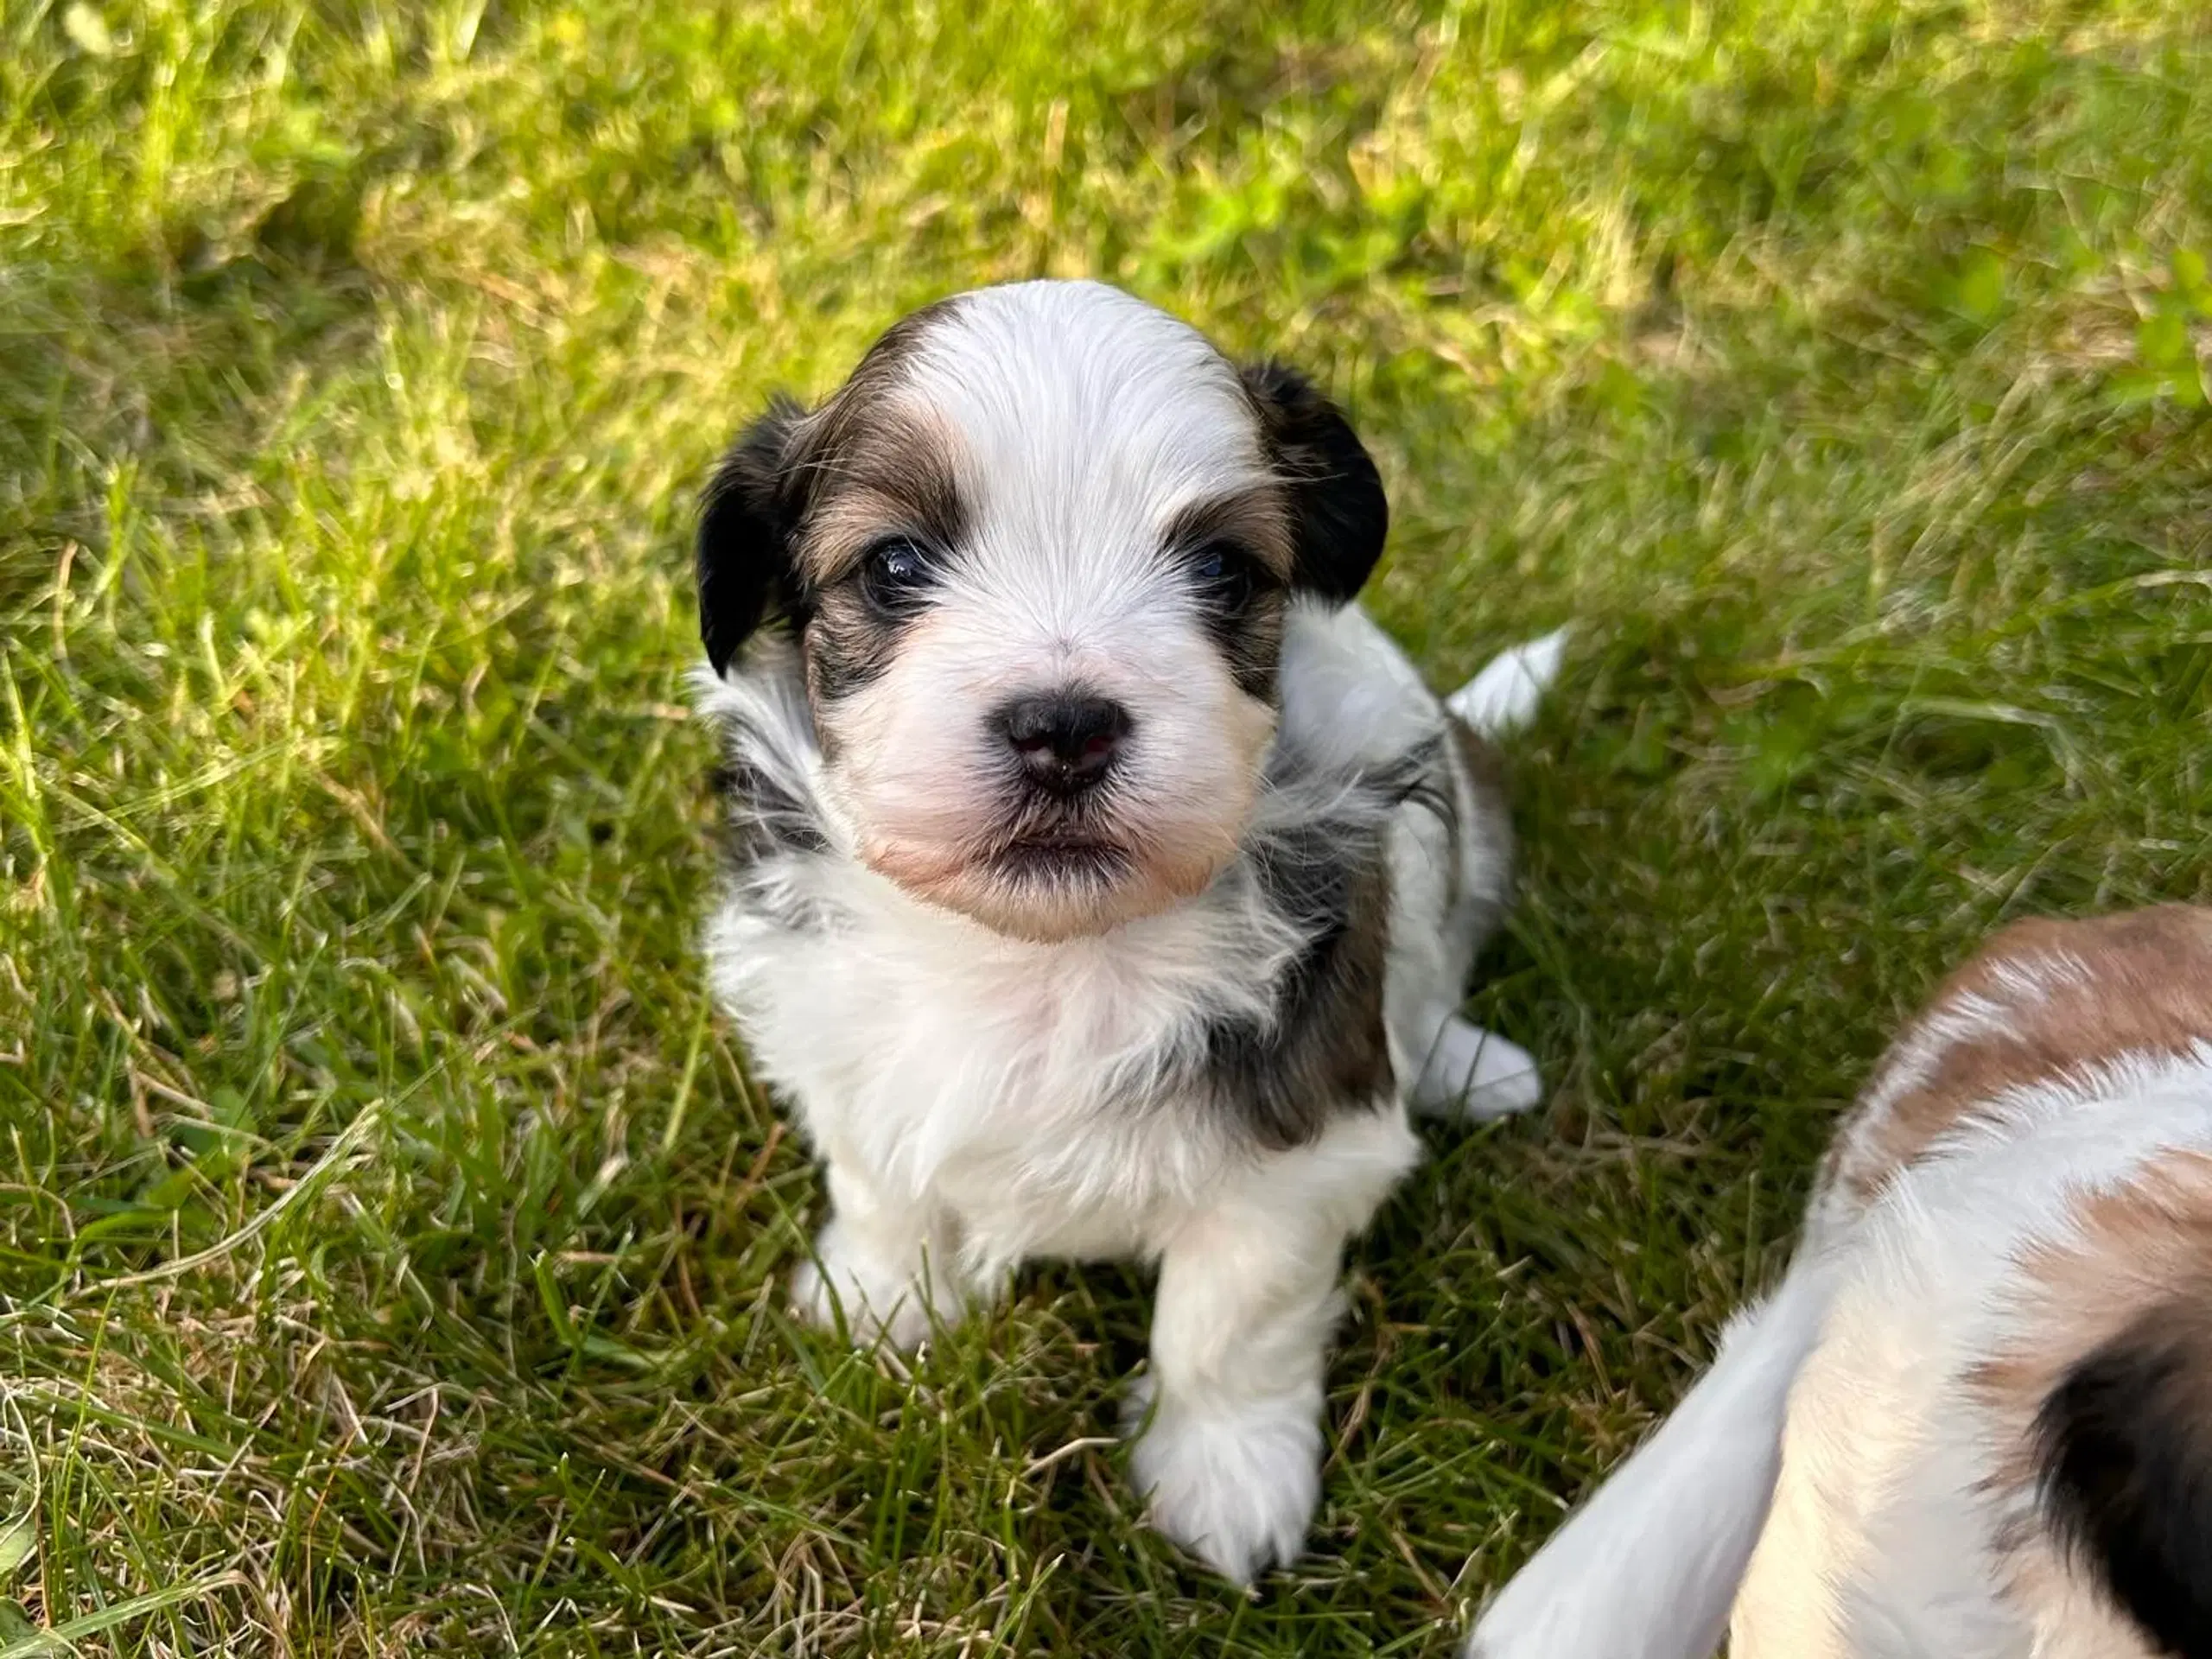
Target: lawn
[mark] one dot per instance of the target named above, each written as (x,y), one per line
(390,1241)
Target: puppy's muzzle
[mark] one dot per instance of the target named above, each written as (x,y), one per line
(1063,743)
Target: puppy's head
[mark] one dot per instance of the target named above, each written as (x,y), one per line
(1036,553)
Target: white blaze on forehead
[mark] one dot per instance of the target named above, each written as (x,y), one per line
(1084,420)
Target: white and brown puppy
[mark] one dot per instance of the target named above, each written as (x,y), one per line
(1975,1422)
(1101,881)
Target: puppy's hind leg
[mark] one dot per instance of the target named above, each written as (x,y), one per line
(1475,1074)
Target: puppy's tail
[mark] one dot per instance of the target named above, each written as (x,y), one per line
(2124,1450)
(1505,696)
(1648,1567)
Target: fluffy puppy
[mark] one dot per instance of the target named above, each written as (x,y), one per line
(1101,882)
(1976,1419)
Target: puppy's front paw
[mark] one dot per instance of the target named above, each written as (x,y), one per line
(1235,1488)
(881,1300)
(1477,1074)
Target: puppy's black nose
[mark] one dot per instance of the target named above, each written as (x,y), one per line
(1063,743)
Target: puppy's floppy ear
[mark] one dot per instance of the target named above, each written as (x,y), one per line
(746,519)
(1340,512)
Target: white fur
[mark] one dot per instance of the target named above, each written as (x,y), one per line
(1882,1538)
(1878,1527)
(1478,1072)
(982,1095)
(1229,1451)
(1083,421)
(966,1091)
(1505,696)
(947,1059)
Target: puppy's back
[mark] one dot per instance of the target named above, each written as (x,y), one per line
(1976,1418)
(2043,1003)
(2086,1046)
(2100,1400)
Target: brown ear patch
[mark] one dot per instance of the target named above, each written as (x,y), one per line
(2043,999)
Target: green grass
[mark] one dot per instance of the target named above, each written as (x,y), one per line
(391,1242)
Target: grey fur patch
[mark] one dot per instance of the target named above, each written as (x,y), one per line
(1324,1049)
(772,826)
(760,818)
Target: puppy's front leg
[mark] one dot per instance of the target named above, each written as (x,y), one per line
(889,1262)
(1230,1455)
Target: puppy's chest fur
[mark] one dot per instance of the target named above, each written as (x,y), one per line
(1057,1099)
(1076,1098)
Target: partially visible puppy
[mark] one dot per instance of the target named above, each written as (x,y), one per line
(1101,881)
(1976,1419)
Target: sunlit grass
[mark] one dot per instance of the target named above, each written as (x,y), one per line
(390,1239)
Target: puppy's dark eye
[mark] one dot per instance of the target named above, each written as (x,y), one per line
(1222,572)
(895,574)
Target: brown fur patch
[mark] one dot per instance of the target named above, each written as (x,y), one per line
(890,471)
(2043,999)
(1256,523)
(2132,1249)
(1357,1066)
(868,466)
(866,457)
(1258,520)
(2137,1265)
(1327,1048)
